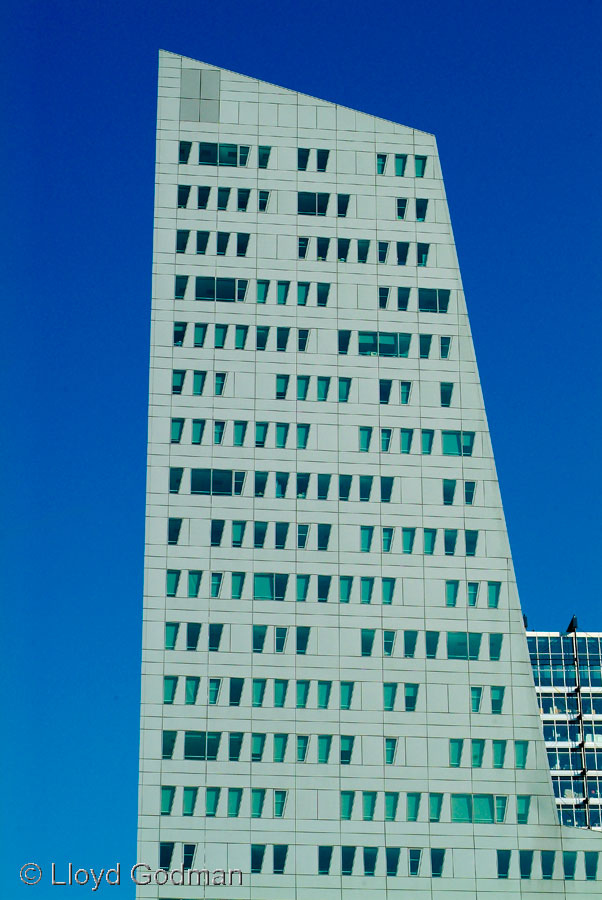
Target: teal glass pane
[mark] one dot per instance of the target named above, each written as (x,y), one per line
(234,801)
(449,490)
(461,808)
(451,592)
(521,750)
(211,801)
(238,580)
(430,538)
(476,695)
(257,801)
(497,699)
(420,166)
(282,292)
(483,809)
(569,864)
(409,644)
(171,634)
(495,646)
(172,581)
(455,751)
(406,439)
(499,753)
(501,804)
(189,795)
(523,803)
(493,594)
(547,864)
(473,592)
(435,805)
(472,538)
(427,441)
(407,539)
(412,806)
(389,694)
(400,164)
(192,689)
(391,804)
(451,443)
(411,696)
(503,863)
(478,750)
(347,798)
(431,643)
(324,690)
(388,587)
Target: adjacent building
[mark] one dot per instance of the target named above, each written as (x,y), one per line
(568,681)
(337,695)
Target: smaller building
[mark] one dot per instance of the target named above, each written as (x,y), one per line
(568,681)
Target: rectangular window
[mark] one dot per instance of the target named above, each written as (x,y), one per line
(263,156)
(322,160)
(400,164)
(383,249)
(312,204)
(342,205)
(421,207)
(401,205)
(402,252)
(390,750)
(381,163)
(363,247)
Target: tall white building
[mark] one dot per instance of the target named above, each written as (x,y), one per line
(337,694)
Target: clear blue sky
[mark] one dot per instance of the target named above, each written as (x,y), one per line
(512,91)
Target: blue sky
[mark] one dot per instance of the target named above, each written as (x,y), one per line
(512,92)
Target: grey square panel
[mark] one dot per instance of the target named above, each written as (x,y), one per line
(190,110)
(191,84)
(210,85)
(209,110)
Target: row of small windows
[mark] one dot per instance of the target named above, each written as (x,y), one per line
(264,431)
(322,247)
(477,755)
(459,645)
(228,482)
(395,696)
(369,861)
(561,732)
(204,746)
(257,534)
(390,344)
(399,165)
(574,788)
(561,649)
(237,155)
(386,394)
(568,704)
(366,806)
(453,443)
(301,697)
(562,674)
(241,333)
(310,203)
(306,246)
(321,588)
(233,802)
(572,760)
(223,194)
(230,290)
(369,343)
